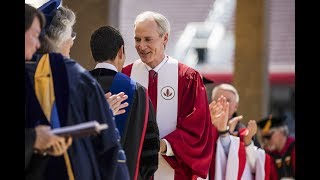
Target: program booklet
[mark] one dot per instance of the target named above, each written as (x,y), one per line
(80,130)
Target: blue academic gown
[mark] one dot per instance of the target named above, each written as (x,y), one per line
(79,98)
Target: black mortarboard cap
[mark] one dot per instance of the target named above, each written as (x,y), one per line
(270,122)
(49,10)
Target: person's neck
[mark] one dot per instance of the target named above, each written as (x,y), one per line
(156,62)
(114,62)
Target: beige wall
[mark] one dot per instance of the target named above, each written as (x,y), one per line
(90,15)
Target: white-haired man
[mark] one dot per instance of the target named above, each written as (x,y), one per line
(232,96)
(179,99)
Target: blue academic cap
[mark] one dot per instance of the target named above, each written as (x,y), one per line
(49,10)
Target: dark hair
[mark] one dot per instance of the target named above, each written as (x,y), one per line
(105,43)
(29,14)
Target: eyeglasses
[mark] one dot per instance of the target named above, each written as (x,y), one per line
(73,35)
(268,136)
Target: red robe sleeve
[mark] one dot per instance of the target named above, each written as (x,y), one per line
(192,142)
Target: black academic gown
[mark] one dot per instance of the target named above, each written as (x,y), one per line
(79,98)
(133,128)
(29,140)
(35,164)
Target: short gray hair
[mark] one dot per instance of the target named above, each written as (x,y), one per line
(61,26)
(226,87)
(284,129)
(163,23)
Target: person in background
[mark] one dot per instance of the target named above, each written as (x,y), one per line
(39,141)
(138,127)
(279,145)
(232,96)
(236,157)
(76,98)
(179,99)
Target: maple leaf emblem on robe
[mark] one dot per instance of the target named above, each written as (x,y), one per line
(167,92)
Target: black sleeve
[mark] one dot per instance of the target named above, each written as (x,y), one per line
(151,145)
(34,164)
(141,124)
(29,139)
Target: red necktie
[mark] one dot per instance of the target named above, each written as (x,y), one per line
(152,88)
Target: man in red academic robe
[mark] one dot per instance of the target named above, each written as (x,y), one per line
(179,98)
(279,145)
(236,157)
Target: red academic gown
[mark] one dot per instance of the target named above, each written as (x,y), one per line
(194,139)
(274,173)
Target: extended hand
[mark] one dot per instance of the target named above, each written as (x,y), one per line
(115,102)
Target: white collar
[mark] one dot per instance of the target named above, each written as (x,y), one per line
(106,65)
(157,68)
